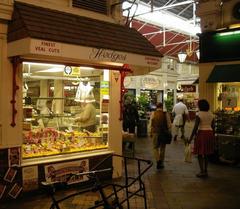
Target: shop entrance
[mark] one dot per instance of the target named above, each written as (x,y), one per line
(153,97)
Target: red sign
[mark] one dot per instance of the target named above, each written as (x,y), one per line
(187,88)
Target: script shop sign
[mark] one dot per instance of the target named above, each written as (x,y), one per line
(84,53)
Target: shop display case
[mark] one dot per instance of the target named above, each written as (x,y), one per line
(57,134)
(227,129)
(63,114)
(227,122)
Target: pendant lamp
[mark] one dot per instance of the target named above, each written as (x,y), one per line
(182,56)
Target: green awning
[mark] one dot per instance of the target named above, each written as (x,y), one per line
(224,73)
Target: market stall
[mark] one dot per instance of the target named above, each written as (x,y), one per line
(62,88)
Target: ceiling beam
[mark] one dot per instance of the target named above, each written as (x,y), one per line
(166,7)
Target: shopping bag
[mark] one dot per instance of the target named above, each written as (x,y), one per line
(188,153)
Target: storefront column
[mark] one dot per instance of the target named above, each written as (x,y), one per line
(43,88)
(175,96)
(207,91)
(165,86)
(9,136)
(58,93)
(115,125)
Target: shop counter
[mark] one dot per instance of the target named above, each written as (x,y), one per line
(228,148)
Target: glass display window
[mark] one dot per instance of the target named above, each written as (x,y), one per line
(64,109)
(229,96)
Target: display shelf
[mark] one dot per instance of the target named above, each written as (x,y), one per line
(40,142)
(227,122)
(229,148)
(64,157)
(227,129)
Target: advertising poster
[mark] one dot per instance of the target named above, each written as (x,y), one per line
(14,156)
(15,191)
(61,172)
(2,190)
(30,178)
(10,175)
(229,102)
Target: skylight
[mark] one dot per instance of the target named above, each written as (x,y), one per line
(162,18)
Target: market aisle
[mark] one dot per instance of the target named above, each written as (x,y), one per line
(176,187)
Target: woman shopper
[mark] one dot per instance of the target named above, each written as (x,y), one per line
(203,134)
(159,123)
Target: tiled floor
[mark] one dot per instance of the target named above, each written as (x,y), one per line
(174,187)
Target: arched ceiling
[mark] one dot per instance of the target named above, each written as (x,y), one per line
(182,8)
(168,41)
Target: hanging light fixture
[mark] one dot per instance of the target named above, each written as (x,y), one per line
(198,54)
(182,56)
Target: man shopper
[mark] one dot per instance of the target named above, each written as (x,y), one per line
(159,123)
(180,112)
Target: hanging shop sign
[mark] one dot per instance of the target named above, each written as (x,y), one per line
(186,88)
(28,46)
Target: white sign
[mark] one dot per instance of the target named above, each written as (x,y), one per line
(150,82)
(46,47)
(83,54)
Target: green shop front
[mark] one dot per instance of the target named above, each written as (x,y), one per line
(219,83)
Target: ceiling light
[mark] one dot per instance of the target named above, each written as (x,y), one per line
(52,70)
(86,68)
(182,56)
(42,64)
(198,54)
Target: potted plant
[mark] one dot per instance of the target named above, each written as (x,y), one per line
(143,105)
(169,104)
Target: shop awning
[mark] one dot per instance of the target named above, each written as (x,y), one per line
(38,23)
(224,73)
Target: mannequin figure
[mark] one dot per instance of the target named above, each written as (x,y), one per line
(84,91)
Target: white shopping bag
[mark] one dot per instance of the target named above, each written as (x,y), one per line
(188,153)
